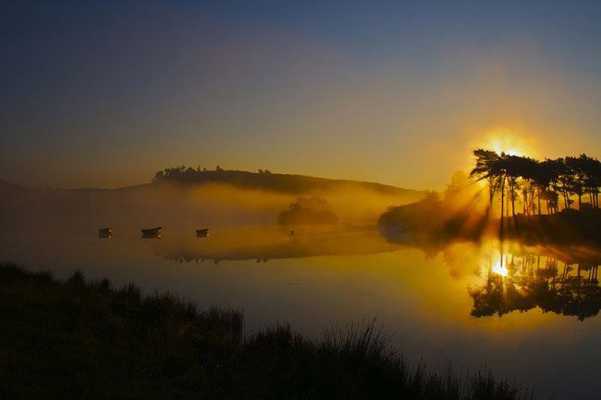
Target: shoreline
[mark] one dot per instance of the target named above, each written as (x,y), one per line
(77,338)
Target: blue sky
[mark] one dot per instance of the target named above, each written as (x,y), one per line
(105,93)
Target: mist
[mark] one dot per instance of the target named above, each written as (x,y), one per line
(178,207)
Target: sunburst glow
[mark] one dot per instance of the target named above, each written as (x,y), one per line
(500,269)
(509,142)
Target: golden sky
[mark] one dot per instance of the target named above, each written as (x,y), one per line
(398,95)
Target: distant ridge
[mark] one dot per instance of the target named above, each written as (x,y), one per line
(285,183)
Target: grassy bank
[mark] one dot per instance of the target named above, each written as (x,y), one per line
(431,223)
(566,227)
(78,339)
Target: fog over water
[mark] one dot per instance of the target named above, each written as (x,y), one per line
(180,206)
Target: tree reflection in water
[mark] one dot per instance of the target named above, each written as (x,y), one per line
(563,287)
(556,279)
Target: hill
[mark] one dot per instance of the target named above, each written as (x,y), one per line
(267,181)
(190,198)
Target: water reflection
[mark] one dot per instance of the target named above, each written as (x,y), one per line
(554,280)
(324,278)
(512,277)
(261,245)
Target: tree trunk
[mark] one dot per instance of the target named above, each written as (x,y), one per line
(512,202)
(491,194)
(502,205)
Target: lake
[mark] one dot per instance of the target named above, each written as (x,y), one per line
(528,313)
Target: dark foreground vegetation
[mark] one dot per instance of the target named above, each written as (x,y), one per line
(75,339)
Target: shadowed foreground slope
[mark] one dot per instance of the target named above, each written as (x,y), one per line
(86,340)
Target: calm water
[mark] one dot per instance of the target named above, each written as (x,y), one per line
(465,304)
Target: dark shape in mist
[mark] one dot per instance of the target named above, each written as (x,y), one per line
(436,221)
(202,233)
(76,339)
(105,233)
(308,211)
(152,233)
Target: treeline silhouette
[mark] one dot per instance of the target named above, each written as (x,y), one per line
(545,190)
(535,182)
(78,339)
(266,180)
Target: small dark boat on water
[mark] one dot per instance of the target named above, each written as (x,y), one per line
(201,233)
(152,232)
(105,233)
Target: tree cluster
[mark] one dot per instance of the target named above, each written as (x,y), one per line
(183,173)
(535,182)
(308,211)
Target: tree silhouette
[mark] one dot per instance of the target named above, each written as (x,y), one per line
(487,168)
(538,182)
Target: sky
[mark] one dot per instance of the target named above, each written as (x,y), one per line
(107,93)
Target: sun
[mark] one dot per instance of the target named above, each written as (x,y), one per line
(507,141)
(500,269)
